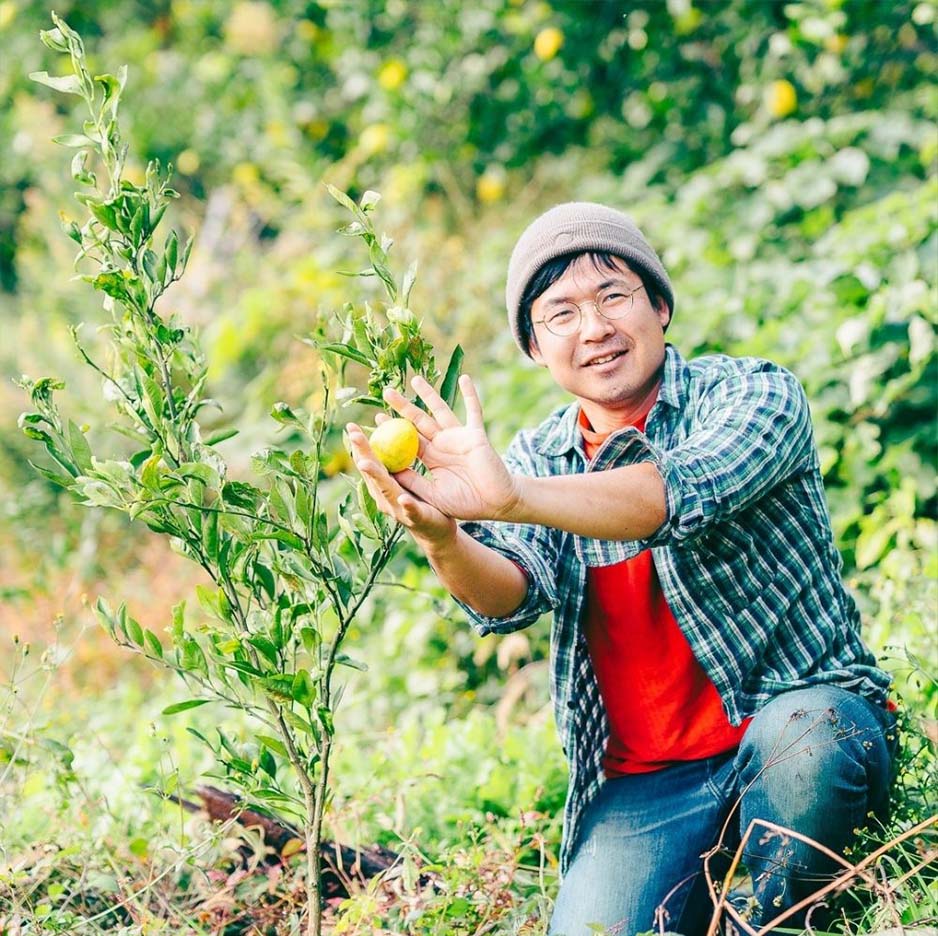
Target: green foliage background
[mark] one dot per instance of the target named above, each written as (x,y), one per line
(781,156)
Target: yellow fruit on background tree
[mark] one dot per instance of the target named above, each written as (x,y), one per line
(547,43)
(781,99)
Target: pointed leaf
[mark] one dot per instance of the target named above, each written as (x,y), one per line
(346,351)
(448,387)
(183,706)
(69,84)
(72,140)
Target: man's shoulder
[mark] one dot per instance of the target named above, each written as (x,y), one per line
(714,367)
(710,371)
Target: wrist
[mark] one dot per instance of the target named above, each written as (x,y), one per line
(438,543)
(514,507)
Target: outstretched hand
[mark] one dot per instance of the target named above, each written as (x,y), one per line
(466,479)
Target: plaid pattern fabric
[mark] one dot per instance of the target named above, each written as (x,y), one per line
(746,558)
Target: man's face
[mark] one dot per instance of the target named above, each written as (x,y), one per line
(581,363)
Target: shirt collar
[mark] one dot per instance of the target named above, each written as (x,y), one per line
(565,434)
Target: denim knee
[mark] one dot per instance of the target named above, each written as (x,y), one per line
(809,741)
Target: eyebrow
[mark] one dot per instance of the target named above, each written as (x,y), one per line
(560,300)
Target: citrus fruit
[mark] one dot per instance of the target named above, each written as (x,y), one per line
(395,442)
(392,75)
(781,98)
(490,186)
(547,43)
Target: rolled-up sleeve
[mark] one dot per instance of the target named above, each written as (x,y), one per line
(532,548)
(754,433)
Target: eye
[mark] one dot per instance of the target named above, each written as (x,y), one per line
(613,299)
(562,315)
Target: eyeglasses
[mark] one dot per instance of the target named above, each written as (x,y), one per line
(614,302)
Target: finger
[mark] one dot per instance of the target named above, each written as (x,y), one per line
(417,484)
(382,417)
(425,423)
(473,404)
(441,412)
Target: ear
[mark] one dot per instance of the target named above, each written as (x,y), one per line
(534,351)
(664,313)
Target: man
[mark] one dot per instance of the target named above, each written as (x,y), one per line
(707,669)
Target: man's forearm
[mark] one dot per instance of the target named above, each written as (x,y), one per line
(477,575)
(617,504)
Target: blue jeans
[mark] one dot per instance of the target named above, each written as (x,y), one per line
(815,760)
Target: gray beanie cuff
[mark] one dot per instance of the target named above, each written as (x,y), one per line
(579,227)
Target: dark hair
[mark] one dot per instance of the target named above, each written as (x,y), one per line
(551,271)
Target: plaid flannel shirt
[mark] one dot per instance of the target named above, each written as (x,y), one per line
(746,557)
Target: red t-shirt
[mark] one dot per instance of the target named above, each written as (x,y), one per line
(662,706)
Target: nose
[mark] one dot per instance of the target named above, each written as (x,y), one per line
(593,326)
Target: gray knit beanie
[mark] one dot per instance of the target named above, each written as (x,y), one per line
(579,227)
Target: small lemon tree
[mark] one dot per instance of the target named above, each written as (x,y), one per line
(290,562)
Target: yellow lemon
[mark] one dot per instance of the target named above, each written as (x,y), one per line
(395,442)
(392,75)
(188,162)
(781,98)
(375,138)
(490,186)
(547,43)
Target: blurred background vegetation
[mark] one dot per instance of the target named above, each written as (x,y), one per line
(781,156)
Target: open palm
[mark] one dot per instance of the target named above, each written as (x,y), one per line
(466,479)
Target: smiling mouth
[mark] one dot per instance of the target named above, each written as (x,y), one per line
(605,359)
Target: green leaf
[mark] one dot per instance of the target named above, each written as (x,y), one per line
(325,719)
(303,689)
(410,277)
(369,200)
(451,379)
(343,659)
(81,450)
(349,352)
(210,535)
(178,624)
(69,84)
(153,642)
(202,473)
(72,140)
(112,86)
(149,266)
(61,480)
(134,630)
(310,638)
(266,579)
(107,216)
(278,747)
(240,494)
(221,436)
(266,647)
(172,248)
(183,706)
(53,39)
(346,202)
(136,224)
(112,283)
(268,764)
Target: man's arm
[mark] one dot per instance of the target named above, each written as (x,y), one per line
(620,504)
(754,431)
(477,575)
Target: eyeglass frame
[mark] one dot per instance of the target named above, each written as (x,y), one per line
(630,295)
